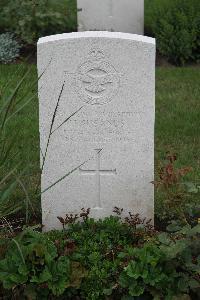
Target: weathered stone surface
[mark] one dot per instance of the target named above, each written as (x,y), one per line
(111,15)
(96,99)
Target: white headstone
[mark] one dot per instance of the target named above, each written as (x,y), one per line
(111,15)
(96,96)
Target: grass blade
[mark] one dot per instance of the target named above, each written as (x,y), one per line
(14,75)
(63,177)
(28,201)
(8,175)
(20,251)
(69,173)
(67,119)
(12,97)
(52,122)
(20,108)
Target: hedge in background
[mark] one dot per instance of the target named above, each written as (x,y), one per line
(31,19)
(176,26)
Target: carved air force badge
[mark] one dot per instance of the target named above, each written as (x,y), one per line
(96,80)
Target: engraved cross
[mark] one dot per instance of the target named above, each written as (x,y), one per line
(98,172)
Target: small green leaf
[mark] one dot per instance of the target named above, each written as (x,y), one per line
(174,226)
(107,292)
(194,284)
(191,187)
(136,289)
(164,238)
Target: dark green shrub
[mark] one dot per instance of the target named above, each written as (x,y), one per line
(31,19)
(176,26)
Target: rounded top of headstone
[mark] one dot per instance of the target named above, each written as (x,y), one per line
(97,34)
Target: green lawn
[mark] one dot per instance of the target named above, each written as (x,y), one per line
(178,115)
(177,121)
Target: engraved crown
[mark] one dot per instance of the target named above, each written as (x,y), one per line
(96,54)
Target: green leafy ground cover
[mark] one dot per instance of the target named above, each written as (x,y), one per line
(107,259)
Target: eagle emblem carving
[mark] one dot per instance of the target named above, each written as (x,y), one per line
(96,80)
